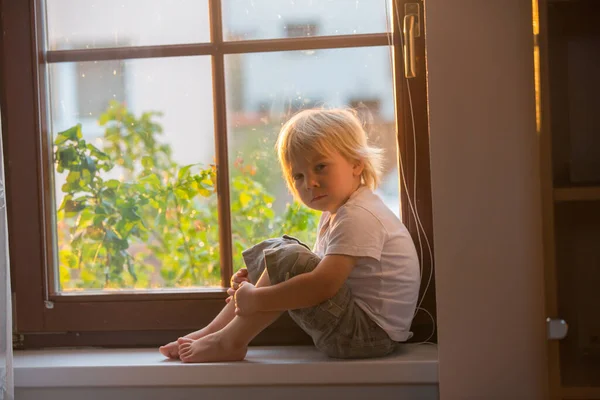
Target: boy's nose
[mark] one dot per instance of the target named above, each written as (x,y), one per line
(311,182)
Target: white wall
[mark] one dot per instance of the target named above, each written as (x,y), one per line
(486,200)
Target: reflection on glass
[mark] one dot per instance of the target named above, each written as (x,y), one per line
(77,24)
(269,19)
(264,89)
(134,186)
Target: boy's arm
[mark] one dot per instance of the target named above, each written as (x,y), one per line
(309,289)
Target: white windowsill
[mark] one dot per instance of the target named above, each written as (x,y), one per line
(290,365)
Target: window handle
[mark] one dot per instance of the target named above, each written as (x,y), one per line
(408,30)
(556,328)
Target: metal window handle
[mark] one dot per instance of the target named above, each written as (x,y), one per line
(408,30)
(556,329)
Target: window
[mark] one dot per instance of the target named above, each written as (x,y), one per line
(98,84)
(154,138)
(81,92)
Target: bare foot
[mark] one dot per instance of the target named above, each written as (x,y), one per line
(211,348)
(171,350)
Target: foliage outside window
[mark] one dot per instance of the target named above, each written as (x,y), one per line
(156,226)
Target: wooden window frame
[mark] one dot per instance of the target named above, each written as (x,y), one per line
(46,319)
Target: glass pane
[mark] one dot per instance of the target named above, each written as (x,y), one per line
(263,90)
(136,206)
(271,19)
(76,24)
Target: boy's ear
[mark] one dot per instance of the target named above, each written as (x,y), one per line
(359,166)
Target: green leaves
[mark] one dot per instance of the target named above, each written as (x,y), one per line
(72,208)
(157,225)
(183,172)
(73,134)
(244,199)
(94,152)
(112,184)
(147,162)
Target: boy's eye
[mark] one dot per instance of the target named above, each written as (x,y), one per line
(297,177)
(320,167)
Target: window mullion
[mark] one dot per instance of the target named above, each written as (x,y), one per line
(229,47)
(307,43)
(220,123)
(125,53)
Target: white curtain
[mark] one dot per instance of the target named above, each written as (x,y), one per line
(6,354)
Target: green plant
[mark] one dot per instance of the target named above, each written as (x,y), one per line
(157,224)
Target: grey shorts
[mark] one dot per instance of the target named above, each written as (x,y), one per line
(338,327)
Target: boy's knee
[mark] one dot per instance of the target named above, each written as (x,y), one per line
(282,257)
(288,261)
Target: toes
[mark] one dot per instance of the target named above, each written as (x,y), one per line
(165,351)
(183,340)
(186,357)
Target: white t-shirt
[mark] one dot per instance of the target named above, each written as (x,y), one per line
(386,278)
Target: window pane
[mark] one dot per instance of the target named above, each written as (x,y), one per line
(264,89)
(76,24)
(271,19)
(130,213)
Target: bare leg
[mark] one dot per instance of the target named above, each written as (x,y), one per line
(231,342)
(171,350)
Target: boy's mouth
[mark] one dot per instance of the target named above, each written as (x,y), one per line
(318,198)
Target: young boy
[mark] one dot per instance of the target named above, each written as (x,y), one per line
(356,294)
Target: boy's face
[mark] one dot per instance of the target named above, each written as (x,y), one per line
(325,182)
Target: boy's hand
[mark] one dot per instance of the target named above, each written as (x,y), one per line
(245,299)
(240,276)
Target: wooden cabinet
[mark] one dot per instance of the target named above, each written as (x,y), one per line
(569,104)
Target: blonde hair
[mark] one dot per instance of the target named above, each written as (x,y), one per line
(322,131)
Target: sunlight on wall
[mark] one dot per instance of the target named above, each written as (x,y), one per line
(536,64)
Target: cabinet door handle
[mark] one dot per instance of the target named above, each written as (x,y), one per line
(408,30)
(556,328)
